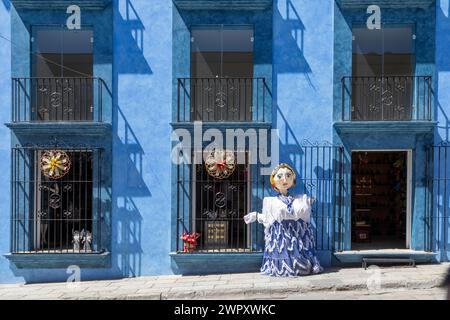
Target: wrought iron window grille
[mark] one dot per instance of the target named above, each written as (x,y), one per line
(437,218)
(56,213)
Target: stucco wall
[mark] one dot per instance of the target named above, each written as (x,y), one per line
(149,50)
(5,107)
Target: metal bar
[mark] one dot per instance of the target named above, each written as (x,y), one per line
(445,201)
(427,204)
(430,221)
(343,99)
(340,199)
(23,209)
(13,202)
(177,241)
(100,213)
(438,194)
(430,114)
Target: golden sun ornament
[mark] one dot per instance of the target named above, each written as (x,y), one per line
(55,164)
(220,164)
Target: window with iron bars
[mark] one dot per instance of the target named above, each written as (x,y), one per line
(214,207)
(56,200)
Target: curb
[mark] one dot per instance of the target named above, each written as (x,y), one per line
(265,292)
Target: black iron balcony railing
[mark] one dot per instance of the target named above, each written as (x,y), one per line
(57,99)
(222,99)
(387,98)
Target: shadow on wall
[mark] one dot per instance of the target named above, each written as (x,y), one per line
(444,122)
(289,35)
(7,4)
(439,220)
(130,31)
(129,183)
(315,167)
(314,175)
(442,65)
(442,137)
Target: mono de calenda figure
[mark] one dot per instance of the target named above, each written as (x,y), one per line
(289,240)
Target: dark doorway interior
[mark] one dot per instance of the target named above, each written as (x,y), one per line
(379,197)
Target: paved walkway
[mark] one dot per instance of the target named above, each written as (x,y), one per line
(240,286)
(394,294)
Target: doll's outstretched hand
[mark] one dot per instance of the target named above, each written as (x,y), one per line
(251,217)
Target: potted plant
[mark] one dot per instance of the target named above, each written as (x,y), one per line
(190,241)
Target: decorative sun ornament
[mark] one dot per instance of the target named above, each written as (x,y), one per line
(55,164)
(220,164)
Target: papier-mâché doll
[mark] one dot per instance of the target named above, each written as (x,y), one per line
(289,240)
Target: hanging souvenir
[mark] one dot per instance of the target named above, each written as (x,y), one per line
(55,164)
(220,164)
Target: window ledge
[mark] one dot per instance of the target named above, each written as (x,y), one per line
(385,126)
(63,128)
(219,125)
(57,261)
(209,263)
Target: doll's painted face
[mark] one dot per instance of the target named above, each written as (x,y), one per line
(283,180)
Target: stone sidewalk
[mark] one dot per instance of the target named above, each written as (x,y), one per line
(235,286)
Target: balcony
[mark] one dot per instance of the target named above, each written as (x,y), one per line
(387,98)
(38,100)
(222,100)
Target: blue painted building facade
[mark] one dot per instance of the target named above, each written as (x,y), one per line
(147,85)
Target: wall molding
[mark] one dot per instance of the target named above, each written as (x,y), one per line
(60,4)
(223,4)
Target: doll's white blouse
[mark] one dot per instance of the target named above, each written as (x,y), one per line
(276,210)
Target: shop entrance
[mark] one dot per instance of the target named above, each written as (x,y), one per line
(379,202)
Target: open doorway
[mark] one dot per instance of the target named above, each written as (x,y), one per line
(379,200)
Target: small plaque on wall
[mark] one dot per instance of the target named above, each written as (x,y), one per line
(216,233)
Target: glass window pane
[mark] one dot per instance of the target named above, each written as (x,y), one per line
(63,53)
(206,53)
(398,51)
(237,53)
(78,41)
(367,52)
(237,40)
(205,40)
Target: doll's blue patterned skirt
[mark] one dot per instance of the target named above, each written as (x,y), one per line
(289,250)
